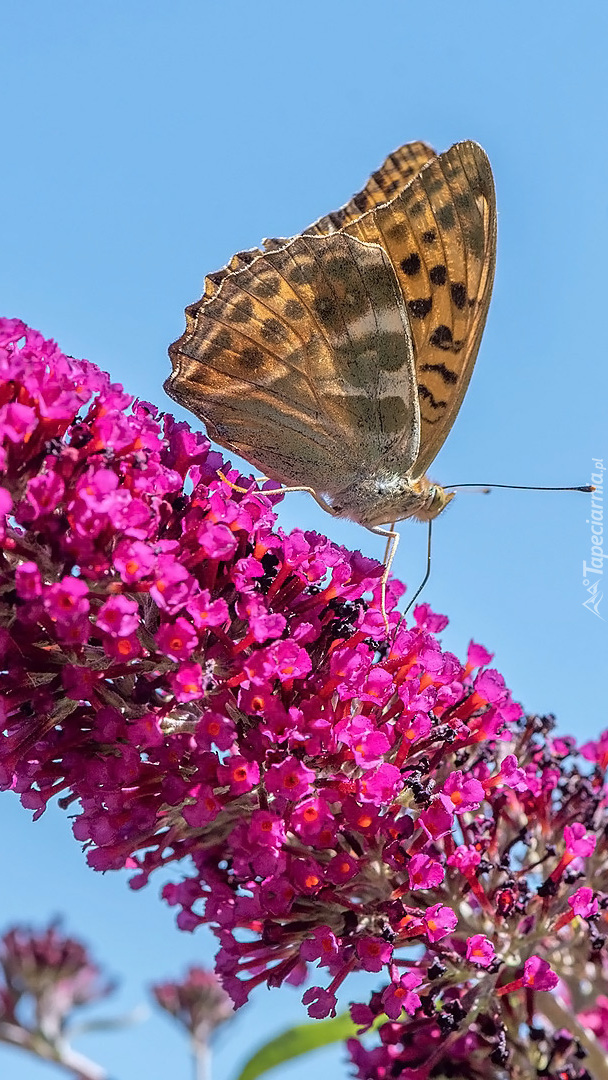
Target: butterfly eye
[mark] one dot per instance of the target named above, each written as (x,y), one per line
(438,498)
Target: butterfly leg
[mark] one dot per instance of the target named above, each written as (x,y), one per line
(282,491)
(256,480)
(425,578)
(299,487)
(392,543)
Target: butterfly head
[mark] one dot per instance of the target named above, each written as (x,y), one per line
(432,499)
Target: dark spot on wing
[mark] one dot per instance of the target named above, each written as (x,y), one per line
(463,200)
(432,186)
(411,264)
(390,350)
(438,274)
(441,337)
(390,189)
(446,373)
(429,236)
(273,330)
(398,231)
(326,310)
(424,392)
(302,273)
(337,217)
(223,339)
(294,310)
(420,308)
(252,357)
(242,311)
(459,294)
(475,237)
(266,286)
(338,267)
(394,415)
(445,216)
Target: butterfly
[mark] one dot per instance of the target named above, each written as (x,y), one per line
(336,361)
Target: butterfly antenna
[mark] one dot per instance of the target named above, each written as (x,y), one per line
(518,487)
(425,578)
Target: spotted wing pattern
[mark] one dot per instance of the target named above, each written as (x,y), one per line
(302,363)
(383,185)
(440,236)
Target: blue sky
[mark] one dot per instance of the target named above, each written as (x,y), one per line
(144,143)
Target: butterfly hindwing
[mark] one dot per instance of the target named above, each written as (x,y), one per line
(302,362)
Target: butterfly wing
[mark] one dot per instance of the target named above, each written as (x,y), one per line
(383,185)
(390,179)
(302,363)
(440,236)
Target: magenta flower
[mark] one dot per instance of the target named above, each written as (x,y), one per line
(424,873)
(462,795)
(321,1003)
(479,950)
(322,946)
(197,1002)
(290,779)
(205,692)
(583,903)
(45,978)
(67,600)
(537,974)
(118,617)
(177,640)
(373,953)
(187,683)
(439,921)
(133,560)
(399,996)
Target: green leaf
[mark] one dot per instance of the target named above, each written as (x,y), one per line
(296,1041)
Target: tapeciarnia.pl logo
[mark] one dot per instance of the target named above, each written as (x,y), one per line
(593,571)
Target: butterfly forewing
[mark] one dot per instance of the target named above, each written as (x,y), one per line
(383,185)
(302,363)
(440,235)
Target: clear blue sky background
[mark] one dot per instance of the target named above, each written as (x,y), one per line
(143,144)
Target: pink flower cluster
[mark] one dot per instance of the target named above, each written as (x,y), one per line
(45,978)
(198,1002)
(206,688)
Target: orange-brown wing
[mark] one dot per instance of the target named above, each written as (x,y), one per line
(237,262)
(440,235)
(302,363)
(383,185)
